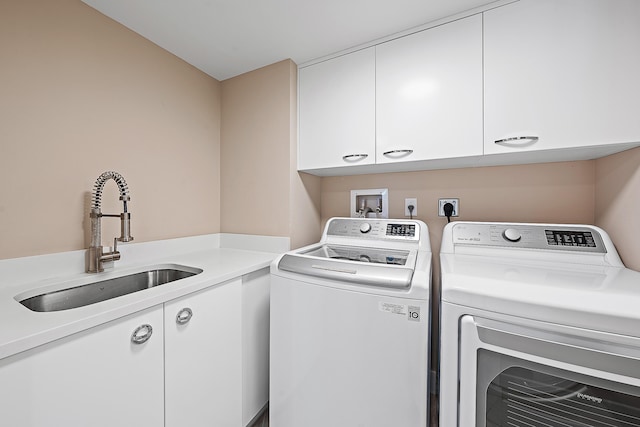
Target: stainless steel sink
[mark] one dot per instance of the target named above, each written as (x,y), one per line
(94,292)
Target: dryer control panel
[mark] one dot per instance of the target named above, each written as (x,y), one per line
(530,236)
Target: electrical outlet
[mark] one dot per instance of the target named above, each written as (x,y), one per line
(413,202)
(454,202)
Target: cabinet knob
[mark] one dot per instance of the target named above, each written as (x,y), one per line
(184,316)
(354,157)
(518,141)
(141,334)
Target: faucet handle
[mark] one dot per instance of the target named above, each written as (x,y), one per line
(111,255)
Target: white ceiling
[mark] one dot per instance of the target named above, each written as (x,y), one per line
(225,38)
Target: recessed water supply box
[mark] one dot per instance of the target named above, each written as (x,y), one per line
(372,203)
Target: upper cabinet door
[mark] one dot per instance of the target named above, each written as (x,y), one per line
(561,73)
(337,112)
(429,93)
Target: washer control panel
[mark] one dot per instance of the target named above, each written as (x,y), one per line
(530,236)
(374,229)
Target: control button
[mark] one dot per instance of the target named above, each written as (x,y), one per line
(511,234)
(365,227)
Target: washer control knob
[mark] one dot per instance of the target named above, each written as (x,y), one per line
(512,235)
(365,227)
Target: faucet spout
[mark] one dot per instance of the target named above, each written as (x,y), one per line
(96,257)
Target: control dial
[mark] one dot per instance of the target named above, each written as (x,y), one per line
(365,227)
(512,235)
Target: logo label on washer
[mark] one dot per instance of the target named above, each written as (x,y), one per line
(414,313)
(392,308)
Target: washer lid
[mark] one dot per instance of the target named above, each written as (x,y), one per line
(354,264)
(359,254)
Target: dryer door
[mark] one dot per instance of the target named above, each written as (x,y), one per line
(546,375)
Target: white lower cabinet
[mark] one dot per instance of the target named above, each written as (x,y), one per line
(203,359)
(256,288)
(96,378)
(187,369)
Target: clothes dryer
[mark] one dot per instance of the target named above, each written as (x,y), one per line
(540,326)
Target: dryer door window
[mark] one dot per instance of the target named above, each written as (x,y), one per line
(526,394)
(539,374)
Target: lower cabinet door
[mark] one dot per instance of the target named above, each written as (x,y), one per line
(99,377)
(203,360)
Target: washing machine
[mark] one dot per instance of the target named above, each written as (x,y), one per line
(540,326)
(349,327)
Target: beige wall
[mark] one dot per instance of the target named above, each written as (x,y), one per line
(554,192)
(255,170)
(262,193)
(617,207)
(81,94)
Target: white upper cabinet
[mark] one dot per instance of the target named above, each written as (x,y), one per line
(561,74)
(429,94)
(529,81)
(337,112)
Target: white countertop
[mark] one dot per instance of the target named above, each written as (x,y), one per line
(220,257)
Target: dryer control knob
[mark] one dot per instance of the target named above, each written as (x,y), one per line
(365,227)
(512,235)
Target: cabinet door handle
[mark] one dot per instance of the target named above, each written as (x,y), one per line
(141,334)
(354,157)
(184,316)
(398,153)
(520,141)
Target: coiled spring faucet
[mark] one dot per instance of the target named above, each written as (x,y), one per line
(96,257)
